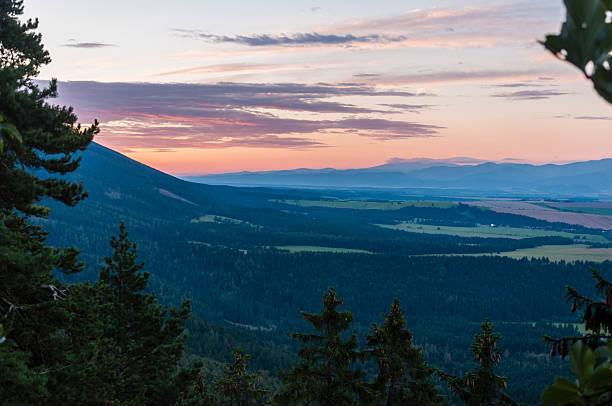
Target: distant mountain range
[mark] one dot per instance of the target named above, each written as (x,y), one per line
(459,175)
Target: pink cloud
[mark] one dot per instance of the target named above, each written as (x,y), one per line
(171,116)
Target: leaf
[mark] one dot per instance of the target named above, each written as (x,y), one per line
(602,378)
(585,41)
(563,391)
(582,362)
(603,353)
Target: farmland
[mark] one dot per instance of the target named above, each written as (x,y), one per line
(601,208)
(491,231)
(581,214)
(368,204)
(567,253)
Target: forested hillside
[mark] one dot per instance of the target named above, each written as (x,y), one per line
(215,246)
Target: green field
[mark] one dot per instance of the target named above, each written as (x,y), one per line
(366,204)
(312,248)
(212,218)
(568,253)
(490,232)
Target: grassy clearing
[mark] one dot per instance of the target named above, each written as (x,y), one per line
(367,205)
(568,253)
(490,232)
(212,218)
(312,248)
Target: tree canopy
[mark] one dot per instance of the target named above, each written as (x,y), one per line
(38,142)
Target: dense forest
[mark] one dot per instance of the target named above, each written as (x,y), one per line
(244,292)
(175,293)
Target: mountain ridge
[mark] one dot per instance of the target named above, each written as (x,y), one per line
(584,178)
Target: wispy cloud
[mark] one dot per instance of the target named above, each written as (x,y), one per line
(448,76)
(503,15)
(228,68)
(521,19)
(530,94)
(517,84)
(147,115)
(411,108)
(593,118)
(437,27)
(366,75)
(312,38)
(88,45)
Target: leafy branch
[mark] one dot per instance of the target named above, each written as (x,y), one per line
(585,41)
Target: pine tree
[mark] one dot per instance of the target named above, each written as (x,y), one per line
(36,137)
(91,377)
(148,341)
(238,387)
(482,387)
(597,318)
(325,374)
(404,378)
(201,395)
(591,352)
(18,383)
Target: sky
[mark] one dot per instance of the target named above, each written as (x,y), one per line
(193,87)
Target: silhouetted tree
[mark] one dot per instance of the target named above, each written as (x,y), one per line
(482,387)
(36,138)
(148,341)
(404,378)
(597,317)
(324,374)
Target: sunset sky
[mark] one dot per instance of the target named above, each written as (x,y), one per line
(194,87)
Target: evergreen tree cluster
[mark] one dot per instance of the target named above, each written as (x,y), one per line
(403,376)
(107,343)
(332,368)
(236,387)
(482,387)
(112,344)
